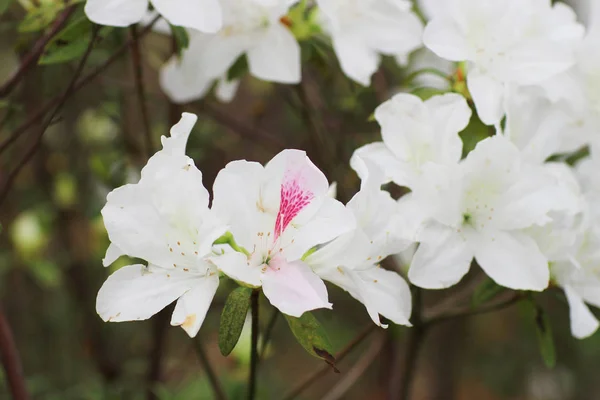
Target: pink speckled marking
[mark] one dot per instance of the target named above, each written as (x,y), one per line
(293,199)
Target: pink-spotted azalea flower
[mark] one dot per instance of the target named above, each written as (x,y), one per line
(163,219)
(276,214)
(203,15)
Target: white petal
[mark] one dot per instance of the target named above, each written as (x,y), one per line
(181,84)
(357,60)
(226,90)
(451,114)
(382,156)
(180,132)
(331,221)
(512,260)
(442,258)
(384,292)
(137,293)
(192,307)
(583,322)
(235,265)
(112,254)
(203,15)
(445,39)
(116,12)
(488,96)
(276,58)
(293,288)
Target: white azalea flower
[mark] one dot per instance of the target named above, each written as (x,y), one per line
(480,209)
(277,213)
(163,219)
(250,27)
(351,260)
(518,42)
(415,133)
(203,15)
(362,30)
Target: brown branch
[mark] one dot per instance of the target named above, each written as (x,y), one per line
(242,128)
(416,335)
(357,370)
(38,138)
(210,372)
(35,53)
(254,345)
(80,84)
(160,323)
(138,72)
(312,378)
(11,361)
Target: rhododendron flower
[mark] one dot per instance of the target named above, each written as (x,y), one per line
(352,260)
(276,214)
(203,15)
(512,42)
(163,219)
(251,28)
(480,209)
(362,30)
(415,133)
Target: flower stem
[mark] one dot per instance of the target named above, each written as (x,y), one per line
(413,346)
(254,347)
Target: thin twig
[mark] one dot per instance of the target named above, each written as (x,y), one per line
(357,370)
(43,110)
(210,372)
(35,53)
(413,346)
(138,71)
(243,129)
(160,323)
(267,334)
(11,361)
(468,311)
(254,346)
(312,378)
(38,138)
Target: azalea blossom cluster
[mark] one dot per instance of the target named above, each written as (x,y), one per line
(515,204)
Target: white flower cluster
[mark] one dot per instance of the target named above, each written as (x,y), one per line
(513,204)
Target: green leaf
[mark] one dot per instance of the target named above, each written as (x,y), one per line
(238,69)
(233,318)
(311,335)
(181,37)
(69,44)
(485,292)
(544,335)
(40,17)
(4,5)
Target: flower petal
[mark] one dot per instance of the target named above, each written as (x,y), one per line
(293,288)
(192,307)
(512,260)
(202,15)
(357,60)
(583,322)
(276,58)
(116,12)
(235,265)
(445,39)
(442,258)
(488,96)
(135,292)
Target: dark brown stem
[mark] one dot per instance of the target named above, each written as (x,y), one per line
(413,346)
(468,311)
(38,138)
(138,71)
(210,372)
(160,323)
(268,331)
(312,378)
(243,129)
(11,361)
(35,53)
(254,346)
(81,83)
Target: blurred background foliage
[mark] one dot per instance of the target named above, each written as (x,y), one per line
(53,239)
